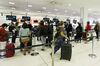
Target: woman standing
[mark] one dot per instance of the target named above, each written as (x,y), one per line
(60,36)
(24,34)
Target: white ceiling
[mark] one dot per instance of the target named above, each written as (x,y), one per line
(72,7)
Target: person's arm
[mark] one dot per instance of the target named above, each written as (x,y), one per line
(29,32)
(63,35)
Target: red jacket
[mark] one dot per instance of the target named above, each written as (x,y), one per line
(88,27)
(3,34)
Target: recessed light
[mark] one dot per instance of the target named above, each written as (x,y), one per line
(44,8)
(29,5)
(69,4)
(13,8)
(49,12)
(12,3)
(56,9)
(89,9)
(74,12)
(27,9)
(65,11)
(39,11)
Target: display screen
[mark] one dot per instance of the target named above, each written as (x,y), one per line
(55,20)
(11,17)
(35,21)
(46,19)
(26,18)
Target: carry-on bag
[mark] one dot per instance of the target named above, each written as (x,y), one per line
(66,51)
(10,50)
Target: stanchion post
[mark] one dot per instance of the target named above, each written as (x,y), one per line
(92,54)
(53,44)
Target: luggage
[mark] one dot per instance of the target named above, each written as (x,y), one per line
(84,36)
(77,38)
(66,51)
(10,50)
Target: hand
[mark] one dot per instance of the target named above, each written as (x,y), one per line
(67,38)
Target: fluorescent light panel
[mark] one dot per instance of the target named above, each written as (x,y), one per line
(11,3)
(29,5)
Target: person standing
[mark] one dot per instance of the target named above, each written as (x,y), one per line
(87,30)
(24,34)
(15,33)
(3,38)
(60,39)
(97,29)
(79,30)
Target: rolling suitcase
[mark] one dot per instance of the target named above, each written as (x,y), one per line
(10,50)
(66,51)
(84,36)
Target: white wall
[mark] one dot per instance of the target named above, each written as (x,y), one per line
(34,16)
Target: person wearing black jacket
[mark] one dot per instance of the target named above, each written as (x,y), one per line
(79,30)
(68,29)
(97,29)
(43,33)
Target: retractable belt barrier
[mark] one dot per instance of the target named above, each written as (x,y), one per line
(40,44)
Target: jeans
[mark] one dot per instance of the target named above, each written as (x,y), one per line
(59,43)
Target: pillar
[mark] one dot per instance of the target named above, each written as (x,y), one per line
(83,16)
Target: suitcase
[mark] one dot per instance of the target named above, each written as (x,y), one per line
(66,51)
(10,50)
(77,38)
(84,36)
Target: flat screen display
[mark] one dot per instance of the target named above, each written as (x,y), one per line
(11,17)
(26,18)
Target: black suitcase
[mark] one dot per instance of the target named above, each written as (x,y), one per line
(66,51)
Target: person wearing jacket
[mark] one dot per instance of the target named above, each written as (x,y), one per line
(60,39)
(97,30)
(79,30)
(24,34)
(3,38)
(87,30)
(88,27)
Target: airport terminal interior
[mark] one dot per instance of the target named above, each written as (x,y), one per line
(50,33)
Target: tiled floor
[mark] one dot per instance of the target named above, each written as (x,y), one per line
(80,56)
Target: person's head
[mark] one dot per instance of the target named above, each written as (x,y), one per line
(42,22)
(61,23)
(97,23)
(16,24)
(4,25)
(88,22)
(24,25)
(79,24)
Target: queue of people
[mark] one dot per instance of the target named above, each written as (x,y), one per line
(45,33)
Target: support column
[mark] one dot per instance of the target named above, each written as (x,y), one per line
(83,16)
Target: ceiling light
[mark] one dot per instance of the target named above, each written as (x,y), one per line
(69,4)
(56,9)
(49,12)
(65,11)
(29,5)
(74,12)
(27,9)
(13,8)
(44,8)
(39,11)
(89,9)
(12,3)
